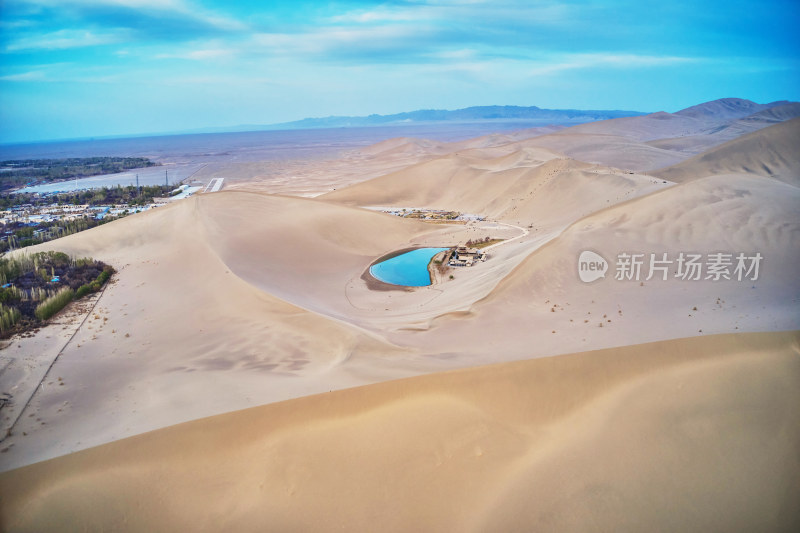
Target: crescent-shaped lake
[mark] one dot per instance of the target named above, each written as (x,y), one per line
(409,269)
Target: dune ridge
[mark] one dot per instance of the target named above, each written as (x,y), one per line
(770,152)
(527,184)
(661,139)
(213,344)
(543,294)
(548,444)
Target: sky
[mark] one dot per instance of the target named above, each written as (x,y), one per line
(86,68)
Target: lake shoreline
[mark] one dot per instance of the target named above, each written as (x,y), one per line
(375,283)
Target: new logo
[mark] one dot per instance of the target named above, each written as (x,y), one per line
(591,266)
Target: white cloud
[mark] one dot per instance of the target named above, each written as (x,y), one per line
(384,14)
(181,8)
(520,71)
(35,75)
(335,39)
(464,11)
(456,55)
(136,4)
(621,61)
(199,55)
(64,39)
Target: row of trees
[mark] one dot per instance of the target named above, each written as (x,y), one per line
(129,195)
(36,287)
(24,236)
(477,241)
(19,172)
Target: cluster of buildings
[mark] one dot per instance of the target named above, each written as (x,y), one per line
(463,256)
(428,214)
(32,215)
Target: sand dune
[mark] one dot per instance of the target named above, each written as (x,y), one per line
(239,299)
(404,146)
(614,150)
(316,174)
(692,435)
(662,139)
(180,334)
(717,135)
(545,298)
(257,273)
(622,142)
(643,128)
(523,186)
(412,146)
(770,152)
(697,144)
(638,143)
(305,251)
(225,301)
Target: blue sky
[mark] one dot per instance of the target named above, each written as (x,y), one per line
(105,67)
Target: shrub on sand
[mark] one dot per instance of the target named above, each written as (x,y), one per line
(54,304)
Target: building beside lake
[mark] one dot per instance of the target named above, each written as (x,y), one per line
(464,256)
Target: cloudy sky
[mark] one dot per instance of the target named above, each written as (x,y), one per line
(77,68)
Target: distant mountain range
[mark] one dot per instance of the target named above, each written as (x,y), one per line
(729,108)
(526,116)
(724,108)
(507,113)
(478,113)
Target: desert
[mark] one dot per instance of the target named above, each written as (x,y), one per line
(593,400)
(430,265)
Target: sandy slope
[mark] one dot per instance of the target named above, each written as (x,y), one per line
(634,143)
(315,176)
(662,139)
(544,297)
(692,435)
(236,299)
(771,152)
(179,335)
(525,186)
(722,133)
(239,299)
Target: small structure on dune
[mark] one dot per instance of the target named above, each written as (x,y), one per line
(464,256)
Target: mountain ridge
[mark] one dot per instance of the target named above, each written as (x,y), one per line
(492,112)
(728,108)
(723,108)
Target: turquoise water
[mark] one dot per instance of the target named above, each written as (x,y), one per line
(409,269)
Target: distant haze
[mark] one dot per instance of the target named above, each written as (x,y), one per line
(252,144)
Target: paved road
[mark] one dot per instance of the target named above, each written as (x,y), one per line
(214,185)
